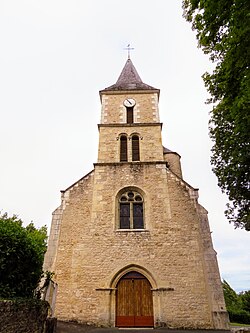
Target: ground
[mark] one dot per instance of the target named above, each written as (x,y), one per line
(64,327)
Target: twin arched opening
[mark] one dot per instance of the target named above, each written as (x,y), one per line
(124,148)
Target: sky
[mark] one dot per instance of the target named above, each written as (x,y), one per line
(55,56)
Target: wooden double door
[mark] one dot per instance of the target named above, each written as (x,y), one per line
(134,301)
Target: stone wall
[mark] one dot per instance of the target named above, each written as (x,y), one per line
(174,164)
(150,142)
(93,250)
(89,252)
(23,316)
(145,111)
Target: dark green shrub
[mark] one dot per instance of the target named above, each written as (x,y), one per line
(21,257)
(239,316)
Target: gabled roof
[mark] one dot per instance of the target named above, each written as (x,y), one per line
(129,79)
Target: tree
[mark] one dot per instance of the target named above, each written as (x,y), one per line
(231,298)
(223,32)
(21,257)
(245,300)
(238,305)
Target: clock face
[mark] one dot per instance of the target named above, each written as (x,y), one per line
(129,102)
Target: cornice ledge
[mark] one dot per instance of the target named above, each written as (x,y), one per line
(129,163)
(129,125)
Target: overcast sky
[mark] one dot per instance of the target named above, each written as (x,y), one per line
(55,56)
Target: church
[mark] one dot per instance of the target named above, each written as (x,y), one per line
(130,244)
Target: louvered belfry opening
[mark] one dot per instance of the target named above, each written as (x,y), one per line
(130,115)
(135,148)
(123,149)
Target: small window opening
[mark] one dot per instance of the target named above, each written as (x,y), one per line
(123,149)
(130,115)
(135,148)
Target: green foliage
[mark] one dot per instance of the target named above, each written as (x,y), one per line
(239,316)
(245,300)
(223,32)
(231,298)
(237,304)
(21,257)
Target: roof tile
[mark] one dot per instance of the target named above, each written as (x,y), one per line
(129,79)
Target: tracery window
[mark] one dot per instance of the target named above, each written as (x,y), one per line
(131,210)
(123,148)
(135,148)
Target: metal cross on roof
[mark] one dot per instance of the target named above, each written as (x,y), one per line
(128,48)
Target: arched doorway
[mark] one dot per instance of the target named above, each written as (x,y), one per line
(134,301)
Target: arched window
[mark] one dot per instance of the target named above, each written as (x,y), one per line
(131,210)
(130,115)
(135,148)
(123,149)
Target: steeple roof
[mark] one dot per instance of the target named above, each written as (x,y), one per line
(129,79)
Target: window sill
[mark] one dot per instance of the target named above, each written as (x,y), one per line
(131,230)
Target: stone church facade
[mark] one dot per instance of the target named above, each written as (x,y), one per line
(130,244)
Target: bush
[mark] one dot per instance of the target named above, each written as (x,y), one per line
(239,316)
(21,257)
(238,305)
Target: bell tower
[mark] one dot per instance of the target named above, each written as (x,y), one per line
(130,128)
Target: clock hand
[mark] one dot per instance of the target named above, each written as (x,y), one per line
(129,101)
